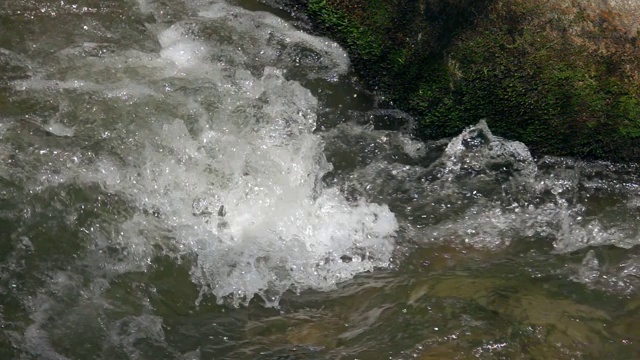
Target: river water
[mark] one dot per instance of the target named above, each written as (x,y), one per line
(199,179)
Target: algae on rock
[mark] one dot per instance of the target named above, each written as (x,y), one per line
(562,77)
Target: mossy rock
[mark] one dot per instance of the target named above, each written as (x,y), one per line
(563,79)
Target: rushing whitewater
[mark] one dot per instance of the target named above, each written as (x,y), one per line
(168,168)
(214,151)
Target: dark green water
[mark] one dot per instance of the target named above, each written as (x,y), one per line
(196,180)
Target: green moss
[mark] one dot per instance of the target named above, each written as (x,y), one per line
(359,40)
(540,96)
(530,84)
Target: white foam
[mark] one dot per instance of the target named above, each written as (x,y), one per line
(59,129)
(269,39)
(485,191)
(215,152)
(282,229)
(180,48)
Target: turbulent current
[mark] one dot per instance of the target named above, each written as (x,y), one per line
(201,179)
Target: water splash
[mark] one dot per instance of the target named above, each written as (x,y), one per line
(485,191)
(150,161)
(212,147)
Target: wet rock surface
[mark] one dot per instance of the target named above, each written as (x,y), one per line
(560,76)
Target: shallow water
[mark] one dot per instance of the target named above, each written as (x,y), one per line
(199,180)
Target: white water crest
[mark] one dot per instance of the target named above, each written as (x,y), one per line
(213,148)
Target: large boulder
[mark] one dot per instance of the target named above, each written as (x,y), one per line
(562,76)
